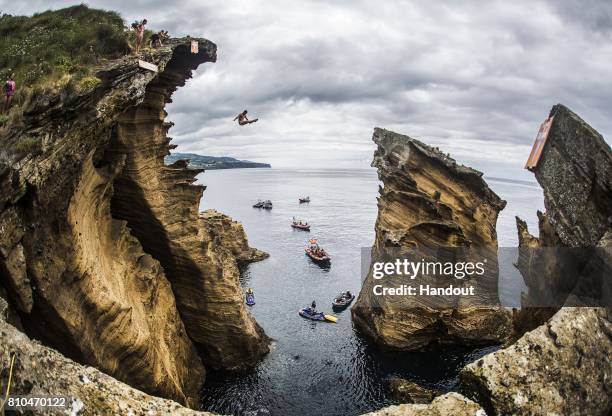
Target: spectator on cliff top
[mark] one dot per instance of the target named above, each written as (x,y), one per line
(242,118)
(140,29)
(9,91)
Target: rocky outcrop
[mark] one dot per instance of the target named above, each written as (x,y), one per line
(405,391)
(562,366)
(103,252)
(230,234)
(431,204)
(42,371)
(575,172)
(448,404)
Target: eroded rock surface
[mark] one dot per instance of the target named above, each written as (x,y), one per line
(39,370)
(575,172)
(102,250)
(429,202)
(406,391)
(563,365)
(448,404)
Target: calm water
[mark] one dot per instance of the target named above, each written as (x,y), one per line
(322,368)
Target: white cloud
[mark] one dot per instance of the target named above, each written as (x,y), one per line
(475,78)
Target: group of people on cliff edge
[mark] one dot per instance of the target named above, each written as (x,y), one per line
(156,39)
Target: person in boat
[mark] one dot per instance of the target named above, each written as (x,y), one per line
(243,119)
(348,295)
(313,307)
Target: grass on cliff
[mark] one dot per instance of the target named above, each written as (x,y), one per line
(54,52)
(47,46)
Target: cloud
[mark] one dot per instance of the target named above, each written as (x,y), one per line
(474,78)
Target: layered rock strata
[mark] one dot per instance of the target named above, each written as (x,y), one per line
(42,371)
(103,252)
(431,205)
(559,365)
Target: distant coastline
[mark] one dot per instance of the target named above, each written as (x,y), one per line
(213,162)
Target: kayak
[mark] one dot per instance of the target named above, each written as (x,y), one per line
(319,316)
(250,299)
(341,302)
(316,257)
(299,226)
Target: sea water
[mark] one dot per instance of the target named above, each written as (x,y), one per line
(322,368)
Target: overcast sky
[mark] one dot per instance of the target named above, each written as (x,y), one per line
(475,78)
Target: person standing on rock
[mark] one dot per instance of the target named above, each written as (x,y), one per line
(9,91)
(242,118)
(140,29)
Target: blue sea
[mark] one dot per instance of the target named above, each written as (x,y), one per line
(323,368)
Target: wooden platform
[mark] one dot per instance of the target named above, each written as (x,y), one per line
(538,145)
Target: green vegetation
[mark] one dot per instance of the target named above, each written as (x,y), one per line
(54,52)
(47,46)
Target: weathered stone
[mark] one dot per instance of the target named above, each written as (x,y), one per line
(39,370)
(429,202)
(448,404)
(406,391)
(575,171)
(231,235)
(562,367)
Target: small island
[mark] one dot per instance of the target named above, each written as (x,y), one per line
(212,162)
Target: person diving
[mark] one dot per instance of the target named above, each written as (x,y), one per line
(243,119)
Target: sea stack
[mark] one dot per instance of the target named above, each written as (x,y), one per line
(429,203)
(103,252)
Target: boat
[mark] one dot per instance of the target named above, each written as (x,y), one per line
(342,301)
(316,253)
(316,316)
(267,204)
(300,225)
(304,200)
(250,298)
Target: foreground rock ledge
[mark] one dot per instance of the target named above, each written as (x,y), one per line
(39,370)
(103,252)
(449,404)
(562,367)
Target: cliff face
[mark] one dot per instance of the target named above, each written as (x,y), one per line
(429,203)
(39,370)
(563,365)
(103,252)
(575,172)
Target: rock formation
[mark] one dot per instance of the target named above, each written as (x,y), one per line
(448,404)
(405,391)
(562,366)
(103,252)
(430,203)
(39,370)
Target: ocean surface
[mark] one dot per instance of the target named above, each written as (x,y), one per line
(322,368)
